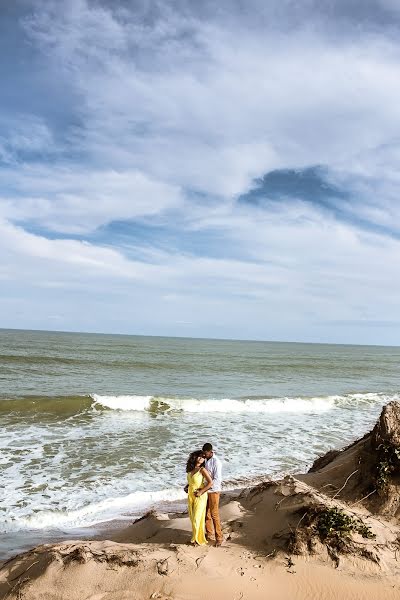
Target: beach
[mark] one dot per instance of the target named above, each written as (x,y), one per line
(273,545)
(95,433)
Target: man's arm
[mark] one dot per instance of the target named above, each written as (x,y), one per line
(212,468)
(218,470)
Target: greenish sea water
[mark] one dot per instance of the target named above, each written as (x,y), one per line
(98,426)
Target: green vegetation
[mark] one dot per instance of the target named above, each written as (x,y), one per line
(389,461)
(334,528)
(333,524)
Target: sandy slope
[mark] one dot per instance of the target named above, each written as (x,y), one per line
(151,559)
(196,574)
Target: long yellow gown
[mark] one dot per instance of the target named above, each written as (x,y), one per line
(197,508)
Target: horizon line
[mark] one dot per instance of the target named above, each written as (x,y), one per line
(187,337)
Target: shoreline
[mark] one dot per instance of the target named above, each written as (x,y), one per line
(332,533)
(96,531)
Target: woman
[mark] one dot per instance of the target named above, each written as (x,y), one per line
(199,481)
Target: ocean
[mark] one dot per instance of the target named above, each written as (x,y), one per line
(97,427)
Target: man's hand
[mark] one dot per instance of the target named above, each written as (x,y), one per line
(186,488)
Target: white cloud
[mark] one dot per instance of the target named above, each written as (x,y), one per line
(37,260)
(183,98)
(173,117)
(177,101)
(299,268)
(79,200)
(302,274)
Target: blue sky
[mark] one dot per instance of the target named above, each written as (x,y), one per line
(201,169)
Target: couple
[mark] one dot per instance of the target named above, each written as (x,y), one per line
(204,476)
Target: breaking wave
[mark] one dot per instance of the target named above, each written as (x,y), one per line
(229,405)
(68,406)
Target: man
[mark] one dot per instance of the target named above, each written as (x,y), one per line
(213,523)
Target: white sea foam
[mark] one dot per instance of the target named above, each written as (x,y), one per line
(96,512)
(230,405)
(139,403)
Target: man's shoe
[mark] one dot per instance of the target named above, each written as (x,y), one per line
(218,543)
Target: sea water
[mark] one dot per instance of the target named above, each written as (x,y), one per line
(94,427)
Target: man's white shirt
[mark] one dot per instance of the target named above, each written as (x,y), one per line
(214,467)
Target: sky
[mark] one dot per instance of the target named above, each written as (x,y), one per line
(201,169)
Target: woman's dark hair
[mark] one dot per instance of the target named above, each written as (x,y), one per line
(193,456)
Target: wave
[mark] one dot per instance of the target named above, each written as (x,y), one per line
(127,507)
(299,404)
(211,405)
(69,406)
(134,504)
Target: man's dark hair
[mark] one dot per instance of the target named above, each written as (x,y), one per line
(207,447)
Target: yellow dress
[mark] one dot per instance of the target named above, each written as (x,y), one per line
(197,508)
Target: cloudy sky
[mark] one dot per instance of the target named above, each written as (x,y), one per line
(214,169)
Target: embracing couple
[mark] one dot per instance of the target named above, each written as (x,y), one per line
(204,476)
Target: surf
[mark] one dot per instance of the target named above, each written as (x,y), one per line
(65,406)
(299,404)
